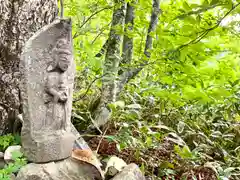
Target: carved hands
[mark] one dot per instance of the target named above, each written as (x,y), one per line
(58,96)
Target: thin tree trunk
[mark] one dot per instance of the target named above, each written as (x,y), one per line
(19,20)
(111,65)
(127,50)
(129,74)
(152,26)
(112,86)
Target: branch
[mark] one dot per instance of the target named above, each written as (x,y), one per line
(130,74)
(103,49)
(203,34)
(197,11)
(125,77)
(88,88)
(90,17)
(100,33)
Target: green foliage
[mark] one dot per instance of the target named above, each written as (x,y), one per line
(8,140)
(189,92)
(18,159)
(14,167)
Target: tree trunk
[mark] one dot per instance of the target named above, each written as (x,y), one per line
(111,65)
(19,20)
(112,83)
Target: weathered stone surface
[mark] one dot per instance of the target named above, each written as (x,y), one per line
(68,169)
(87,156)
(79,143)
(114,166)
(1,155)
(47,69)
(130,172)
(8,153)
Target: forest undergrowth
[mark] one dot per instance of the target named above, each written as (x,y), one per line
(168,142)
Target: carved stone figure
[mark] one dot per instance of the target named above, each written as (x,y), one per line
(56,87)
(47,69)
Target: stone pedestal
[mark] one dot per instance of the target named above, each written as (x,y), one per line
(68,169)
(46,147)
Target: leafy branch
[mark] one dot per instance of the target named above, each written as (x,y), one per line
(90,17)
(131,73)
(203,34)
(197,11)
(88,88)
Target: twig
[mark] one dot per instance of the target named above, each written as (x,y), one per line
(92,135)
(94,123)
(102,136)
(90,85)
(95,13)
(101,31)
(197,11)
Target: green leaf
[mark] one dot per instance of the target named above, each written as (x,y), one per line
(213,2)
(186,6)
(120,104)
(134,106)
(16,154)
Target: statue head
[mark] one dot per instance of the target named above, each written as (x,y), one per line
(61,56)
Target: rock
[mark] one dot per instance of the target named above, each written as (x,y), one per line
(130,172)
(13,177)
(68,169)
(79,143)
(81,149)
(87,156)
(8,153)
(2,163)
(48,69)
(1,155)
(114,166)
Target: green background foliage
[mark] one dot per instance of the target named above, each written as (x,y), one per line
(189,88)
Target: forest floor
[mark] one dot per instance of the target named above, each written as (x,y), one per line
(154,161)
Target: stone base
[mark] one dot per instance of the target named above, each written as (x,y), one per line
(46,147)
(130,172)
(67,169)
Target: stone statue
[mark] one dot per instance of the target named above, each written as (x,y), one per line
(56,87)
(47,69)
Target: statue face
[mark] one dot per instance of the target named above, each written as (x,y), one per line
(62,55)
(63,61)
